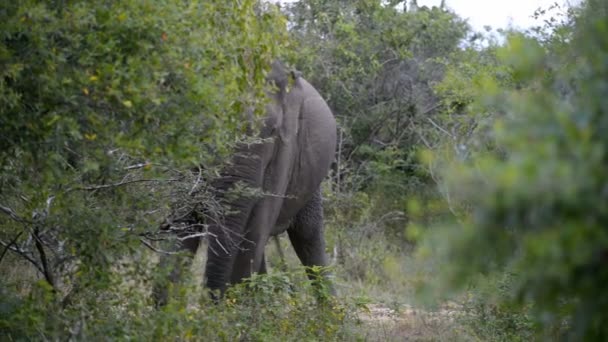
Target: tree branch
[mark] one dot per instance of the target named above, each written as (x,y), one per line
(154,249)
(23,254)
(439,127)
(12,214)
(46,268)
(8,245)
(114,185)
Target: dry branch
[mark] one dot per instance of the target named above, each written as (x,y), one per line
(114,185)
(12,214)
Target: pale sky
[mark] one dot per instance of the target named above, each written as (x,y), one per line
(498,13)
(495,13)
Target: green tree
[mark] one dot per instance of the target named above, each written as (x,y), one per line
(377,65)
(104,109)
(533,205)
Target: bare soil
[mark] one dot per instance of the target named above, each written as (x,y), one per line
(381,323)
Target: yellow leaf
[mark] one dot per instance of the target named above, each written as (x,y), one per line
(93,78)
(90,137)
(85,91)
(127,103)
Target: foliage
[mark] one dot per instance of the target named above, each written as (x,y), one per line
(376,64)
(488,315)
(114,114)
(533,205)
(105,108)
(265,308)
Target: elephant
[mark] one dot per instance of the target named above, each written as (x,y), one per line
(287,165)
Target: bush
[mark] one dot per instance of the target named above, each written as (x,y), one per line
(105,107)
(534,204)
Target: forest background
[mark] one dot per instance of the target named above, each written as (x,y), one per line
(470,169)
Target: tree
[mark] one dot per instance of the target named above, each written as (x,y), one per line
(533,205)
(377,65)
(105,109)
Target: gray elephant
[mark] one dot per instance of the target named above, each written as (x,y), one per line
(288,164)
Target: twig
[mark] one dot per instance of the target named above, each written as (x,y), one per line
(49,201)
(23,254)
(426,143)
(11,213)
(196,235)
(439,127)
(147,244)
(46,269)
(430,109)
(137,166)
(224,248)
(198,179)
(106,186)
(8,245)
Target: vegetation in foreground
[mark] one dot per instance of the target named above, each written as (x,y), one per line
(469,168)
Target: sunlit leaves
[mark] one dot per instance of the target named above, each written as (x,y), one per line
(102,102)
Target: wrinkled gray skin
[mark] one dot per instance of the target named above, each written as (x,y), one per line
(288,166)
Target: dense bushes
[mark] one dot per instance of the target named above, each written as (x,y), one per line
(106,108)
(534,201)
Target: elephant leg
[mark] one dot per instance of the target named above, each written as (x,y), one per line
(160,293)
(262,269)
(306,236)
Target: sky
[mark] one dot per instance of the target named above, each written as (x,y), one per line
(497,13)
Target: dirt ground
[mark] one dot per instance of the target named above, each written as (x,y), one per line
(381,323)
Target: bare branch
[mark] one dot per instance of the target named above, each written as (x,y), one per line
(196,235)
(198,179)
(22,253)
(9,244)
(137,166)
(114,185)
(12,214)
(46,267)
(154,249)
(219,243)
(439,127)
(430,109)
(426,143)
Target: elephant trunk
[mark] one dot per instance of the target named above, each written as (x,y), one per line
(226,236)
